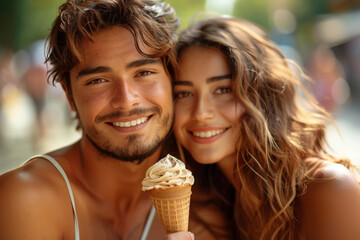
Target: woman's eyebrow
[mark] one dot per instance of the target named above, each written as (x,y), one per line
(208,80)
(183,83)
(218,78)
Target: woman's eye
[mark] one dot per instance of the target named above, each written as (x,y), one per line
(223,90)
(144,73)
(180,95)
(96,81)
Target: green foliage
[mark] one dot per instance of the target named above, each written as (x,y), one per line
(7,22)
(37,20)
(25,21)
(186,9)
(256,11)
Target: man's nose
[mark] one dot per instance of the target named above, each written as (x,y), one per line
(125,95)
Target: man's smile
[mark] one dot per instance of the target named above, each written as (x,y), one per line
(131,123)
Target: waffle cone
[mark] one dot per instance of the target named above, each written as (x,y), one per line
(172,205)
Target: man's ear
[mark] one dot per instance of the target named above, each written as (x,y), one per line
(69,97)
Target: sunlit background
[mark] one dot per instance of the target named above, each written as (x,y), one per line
(323,36)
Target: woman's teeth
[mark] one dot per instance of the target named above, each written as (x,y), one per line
(208,134)
(131,123)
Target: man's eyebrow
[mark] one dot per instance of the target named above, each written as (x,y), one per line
(142,62)
(218,78)
(89,71)
(102,69)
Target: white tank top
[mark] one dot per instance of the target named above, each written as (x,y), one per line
(77,232)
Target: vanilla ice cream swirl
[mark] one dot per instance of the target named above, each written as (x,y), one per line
(167,172)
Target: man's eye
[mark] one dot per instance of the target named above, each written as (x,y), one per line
(223,90)
(96,81)
(144,73)
(180,95)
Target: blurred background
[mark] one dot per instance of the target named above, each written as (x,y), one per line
(323,36)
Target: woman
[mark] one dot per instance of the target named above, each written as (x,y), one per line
(238,111)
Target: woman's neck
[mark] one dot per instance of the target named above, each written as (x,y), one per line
(227,166)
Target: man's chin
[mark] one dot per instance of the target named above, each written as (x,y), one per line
(136,156)
(137,153)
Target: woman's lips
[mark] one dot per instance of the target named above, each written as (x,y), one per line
(207,135)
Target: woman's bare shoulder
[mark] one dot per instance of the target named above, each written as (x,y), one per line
(330,207)
(324,169)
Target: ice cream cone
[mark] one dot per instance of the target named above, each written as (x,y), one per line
(172,205)
(168,183)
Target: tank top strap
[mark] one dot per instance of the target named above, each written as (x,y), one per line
(149,219)
(63,174)
(148,223)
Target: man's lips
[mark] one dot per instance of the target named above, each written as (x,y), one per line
(132,123)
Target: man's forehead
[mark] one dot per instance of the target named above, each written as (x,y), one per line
(111,49)
(114,36)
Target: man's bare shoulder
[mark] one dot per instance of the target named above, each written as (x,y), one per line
(330,207)
(32,196)
(37,175)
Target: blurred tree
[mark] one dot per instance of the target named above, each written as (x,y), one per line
(38,16)
(308,12)
(253,10)
(186,9)
(9,19)
(343,5)
(23,22)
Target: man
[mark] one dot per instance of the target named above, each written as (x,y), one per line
(114,60)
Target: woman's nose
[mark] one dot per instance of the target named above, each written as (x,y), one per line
(203,108)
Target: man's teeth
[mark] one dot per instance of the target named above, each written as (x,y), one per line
(131,123)
(208,134)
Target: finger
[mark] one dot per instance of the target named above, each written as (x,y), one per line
(181,236)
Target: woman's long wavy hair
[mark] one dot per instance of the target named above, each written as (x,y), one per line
(280,128)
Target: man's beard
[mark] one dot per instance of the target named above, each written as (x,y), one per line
(134,150)
(136,153)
